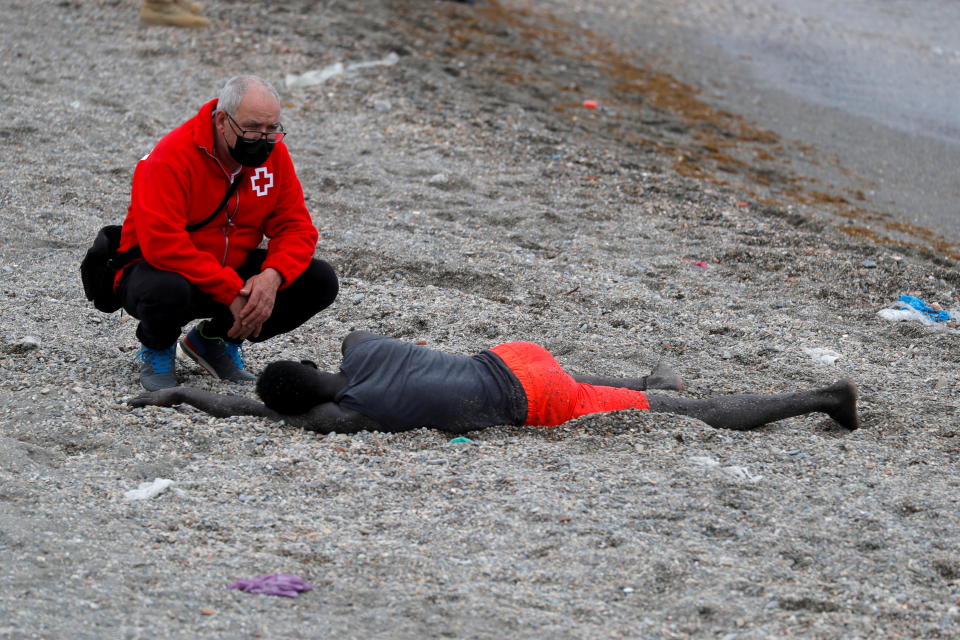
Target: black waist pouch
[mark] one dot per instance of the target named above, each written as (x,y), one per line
(99,268)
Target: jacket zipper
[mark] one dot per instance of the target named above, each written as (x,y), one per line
(227,228)
(231,178)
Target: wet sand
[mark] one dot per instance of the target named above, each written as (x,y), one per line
(867,90)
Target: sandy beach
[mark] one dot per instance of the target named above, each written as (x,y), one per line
(466,197)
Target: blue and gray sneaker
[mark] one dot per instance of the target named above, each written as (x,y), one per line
(157,367)
(219,357)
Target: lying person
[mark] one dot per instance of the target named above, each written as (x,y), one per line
(385,384)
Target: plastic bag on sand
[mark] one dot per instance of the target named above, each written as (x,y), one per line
(823,356)
(275,584)
(319,76)
(937,315)
(740,474)
(148,490)
(907,314)
(390,60)
(314,76)
(911,309)
(705,461)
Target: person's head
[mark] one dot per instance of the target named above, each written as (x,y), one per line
(291,388)
(247,120)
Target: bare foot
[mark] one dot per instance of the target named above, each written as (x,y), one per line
(844,394)
(664,377)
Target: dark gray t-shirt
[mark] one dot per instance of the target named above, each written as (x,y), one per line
(403,386)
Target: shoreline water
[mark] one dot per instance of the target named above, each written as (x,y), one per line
(851,92)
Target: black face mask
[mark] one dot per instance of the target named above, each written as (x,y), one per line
(250,154)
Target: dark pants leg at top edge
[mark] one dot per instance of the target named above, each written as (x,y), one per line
(164,302)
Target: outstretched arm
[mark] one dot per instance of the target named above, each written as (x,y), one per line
(329,417)
(216,404)
(323,418)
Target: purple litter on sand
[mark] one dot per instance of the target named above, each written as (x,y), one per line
(275,584)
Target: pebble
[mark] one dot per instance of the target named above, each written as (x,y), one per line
(869,264)
(26,343)
(438,178)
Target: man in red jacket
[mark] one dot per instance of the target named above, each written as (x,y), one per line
(199,239)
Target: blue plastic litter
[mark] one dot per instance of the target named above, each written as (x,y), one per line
(460,440)
(923,307)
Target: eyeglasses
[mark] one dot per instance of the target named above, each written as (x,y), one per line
(252,135)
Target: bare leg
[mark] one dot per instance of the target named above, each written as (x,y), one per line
(743,412)
(662,377)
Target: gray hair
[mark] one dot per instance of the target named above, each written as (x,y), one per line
(232,93)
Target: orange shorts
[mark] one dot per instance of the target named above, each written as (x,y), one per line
(553,396)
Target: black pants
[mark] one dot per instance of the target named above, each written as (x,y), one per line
(164,301)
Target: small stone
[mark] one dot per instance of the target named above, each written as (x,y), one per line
(439,178)
(382,105)
(25,344)
(358,298)
(869,264)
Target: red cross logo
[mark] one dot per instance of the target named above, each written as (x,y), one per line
(261,181)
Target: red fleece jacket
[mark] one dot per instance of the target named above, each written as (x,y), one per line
(180,182)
